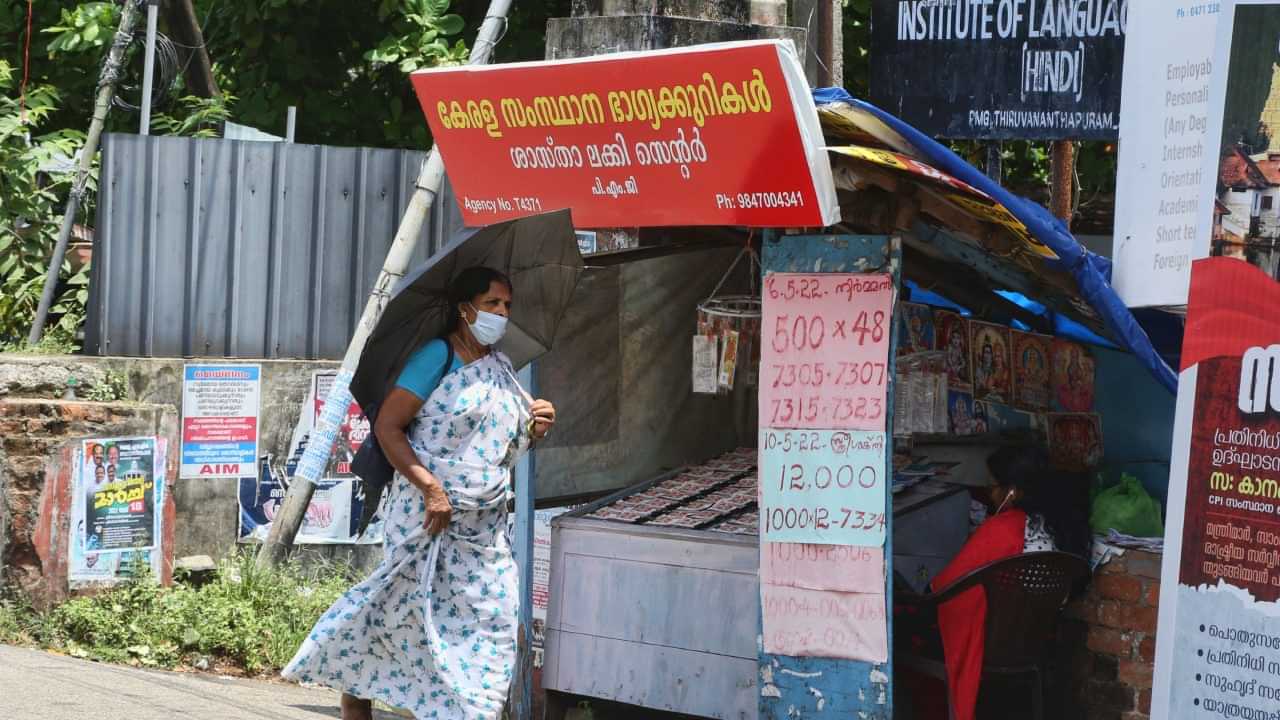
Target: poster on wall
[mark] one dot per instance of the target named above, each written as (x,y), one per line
(1219,622)
(1164,142)
(657,138)
(120,495)
(334,514)
(115,524)
(220,405)
(1000,69)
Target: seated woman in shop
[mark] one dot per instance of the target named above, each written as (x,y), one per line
(1035,511)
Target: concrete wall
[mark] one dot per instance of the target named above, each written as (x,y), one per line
(207,520)
(38,437)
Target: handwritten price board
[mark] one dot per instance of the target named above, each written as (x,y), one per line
(825,487)
(825,361)
(824,623)
(823,567)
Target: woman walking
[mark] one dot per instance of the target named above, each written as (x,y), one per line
(433,629)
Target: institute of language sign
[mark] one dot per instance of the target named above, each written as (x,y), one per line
(1001,69)
(713,135)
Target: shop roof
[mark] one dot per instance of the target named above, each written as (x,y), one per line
(972,241)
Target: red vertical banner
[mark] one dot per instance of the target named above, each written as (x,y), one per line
(1219,634)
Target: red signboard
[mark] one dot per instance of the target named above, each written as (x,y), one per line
(718,135)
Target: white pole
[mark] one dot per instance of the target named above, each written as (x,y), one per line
(291,123)
(148,67)
(320,444)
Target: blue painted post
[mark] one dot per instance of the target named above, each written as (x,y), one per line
(522,542)
(792,687)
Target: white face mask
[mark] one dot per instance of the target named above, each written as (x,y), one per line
(488,328)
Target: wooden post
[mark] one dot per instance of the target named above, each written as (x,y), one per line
(1062,168)
(180,20)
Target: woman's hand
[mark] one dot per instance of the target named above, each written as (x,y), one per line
(439,510)
(544,416)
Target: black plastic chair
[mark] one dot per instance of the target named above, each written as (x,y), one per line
(1025,593)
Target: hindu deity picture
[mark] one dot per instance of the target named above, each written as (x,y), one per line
(1075,441)
(1031,371)
(1073,377)
(952,334)
(915,334)
(991,366)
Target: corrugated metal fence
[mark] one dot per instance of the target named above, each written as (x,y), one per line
(244,249)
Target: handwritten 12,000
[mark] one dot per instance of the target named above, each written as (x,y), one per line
(826,348)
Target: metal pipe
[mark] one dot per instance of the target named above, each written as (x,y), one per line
(148,67)
(291,123)
(102,106)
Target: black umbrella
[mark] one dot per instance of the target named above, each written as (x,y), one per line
(539,254)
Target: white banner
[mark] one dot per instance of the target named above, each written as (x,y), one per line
(1162,221)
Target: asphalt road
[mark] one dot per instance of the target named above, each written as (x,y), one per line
(37,685)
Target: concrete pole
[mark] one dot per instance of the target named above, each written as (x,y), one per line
(148,68)
(102,106)
(320,444)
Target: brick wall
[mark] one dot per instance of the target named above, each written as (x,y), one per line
(1109,640)
(36,441)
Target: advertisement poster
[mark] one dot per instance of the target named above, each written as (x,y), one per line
(120,495)
(114,525)
(1001,69)
(1218,643)
(220,421)
(1161,216)
(333,517)
(721,134)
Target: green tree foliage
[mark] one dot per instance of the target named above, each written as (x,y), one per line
(1254,55)
(33,181)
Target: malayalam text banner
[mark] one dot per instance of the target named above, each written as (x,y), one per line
(713,135)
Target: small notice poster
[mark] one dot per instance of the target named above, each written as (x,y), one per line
(220,421)
(705,370)
(822,486)
(120,492)
(826,342)
(1219,624)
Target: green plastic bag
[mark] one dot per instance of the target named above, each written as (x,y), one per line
(1126,508)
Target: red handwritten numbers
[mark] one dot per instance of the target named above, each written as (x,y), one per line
(826,350)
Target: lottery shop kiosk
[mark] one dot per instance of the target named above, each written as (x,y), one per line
(888,357)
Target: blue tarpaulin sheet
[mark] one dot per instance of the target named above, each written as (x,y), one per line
(1091,272)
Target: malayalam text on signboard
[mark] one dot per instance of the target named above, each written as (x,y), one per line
(826,350)
(1000,69)
(716,135)
(1220,595)
(220,421)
